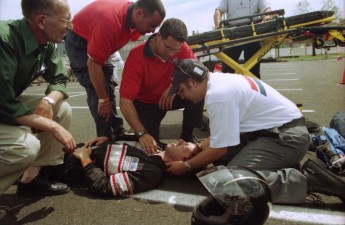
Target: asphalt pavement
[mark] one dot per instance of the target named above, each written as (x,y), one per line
(315,84)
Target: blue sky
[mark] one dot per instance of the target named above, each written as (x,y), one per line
(197,14)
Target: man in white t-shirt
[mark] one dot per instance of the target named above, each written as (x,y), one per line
(252,125)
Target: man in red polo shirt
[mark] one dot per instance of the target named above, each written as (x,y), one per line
(100,29)
(146,81)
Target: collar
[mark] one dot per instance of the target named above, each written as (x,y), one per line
(147,48)
(129,16)
(30,43)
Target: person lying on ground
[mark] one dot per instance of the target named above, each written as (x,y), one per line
(118,168)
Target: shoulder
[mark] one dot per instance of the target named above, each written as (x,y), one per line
(9,29)
(136,54)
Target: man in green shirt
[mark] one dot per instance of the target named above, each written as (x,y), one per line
(33,129)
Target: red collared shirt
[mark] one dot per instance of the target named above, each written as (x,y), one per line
(105,25)
(145,76)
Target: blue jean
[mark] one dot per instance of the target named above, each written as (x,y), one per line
(76,49)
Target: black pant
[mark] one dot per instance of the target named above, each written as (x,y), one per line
(76,49)
(151,115)
(235,53)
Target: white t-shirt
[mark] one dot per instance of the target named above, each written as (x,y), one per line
(240,8)
(237,103)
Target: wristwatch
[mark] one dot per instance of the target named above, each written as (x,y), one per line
(49,100)
(140,133)
(187,165)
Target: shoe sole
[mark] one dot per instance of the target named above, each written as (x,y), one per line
(42,193)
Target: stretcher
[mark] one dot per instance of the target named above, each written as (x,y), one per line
(313,25)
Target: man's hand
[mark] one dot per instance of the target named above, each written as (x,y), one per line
(165,102)
(148,143)
(176,168)
(64,137)
(104,109)
(82,153)
(96,141)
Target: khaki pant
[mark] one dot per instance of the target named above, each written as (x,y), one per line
(20,148)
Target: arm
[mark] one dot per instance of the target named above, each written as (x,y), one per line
(130,113)
(98,81)
(44,108)
(96,179)
(266,17)
(205,156)
(264,6)
(166,101)
(217,17)
(41,123)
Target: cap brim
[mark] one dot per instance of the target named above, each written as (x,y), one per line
(178,77)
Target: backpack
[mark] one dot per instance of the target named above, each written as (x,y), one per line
(329,146)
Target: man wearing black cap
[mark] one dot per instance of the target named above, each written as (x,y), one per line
(254,126)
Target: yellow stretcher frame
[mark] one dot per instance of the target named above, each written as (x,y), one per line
(270,40)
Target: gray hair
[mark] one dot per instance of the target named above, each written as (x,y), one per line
(31,8)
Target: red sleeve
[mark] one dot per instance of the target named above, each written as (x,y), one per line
(132,75)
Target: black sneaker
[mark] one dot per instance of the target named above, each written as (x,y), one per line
(321,180)
(189,138)
(41,186)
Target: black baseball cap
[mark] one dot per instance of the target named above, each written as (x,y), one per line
(187,68)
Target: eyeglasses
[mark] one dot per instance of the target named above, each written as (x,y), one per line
(67,21)
(170,49)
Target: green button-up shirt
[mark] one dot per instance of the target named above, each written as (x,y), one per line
(22,60)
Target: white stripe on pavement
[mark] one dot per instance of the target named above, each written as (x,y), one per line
(279,212)
(280,79)
(277,74)
(307,215)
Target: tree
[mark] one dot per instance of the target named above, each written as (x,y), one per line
(331,6)
(302,6)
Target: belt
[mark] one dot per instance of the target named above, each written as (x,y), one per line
(272,132)
(293,123)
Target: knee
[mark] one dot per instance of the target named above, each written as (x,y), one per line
(29,148)
(64,111)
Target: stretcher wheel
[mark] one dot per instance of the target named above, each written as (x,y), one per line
(339,43)
(318,43)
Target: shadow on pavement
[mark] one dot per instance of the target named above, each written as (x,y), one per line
(11,205)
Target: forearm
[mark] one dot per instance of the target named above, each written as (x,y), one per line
(98,183)
(206,156)
(56,95)
(266,17)
(97,78)
(37,122)
(217,17)
(131,115)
